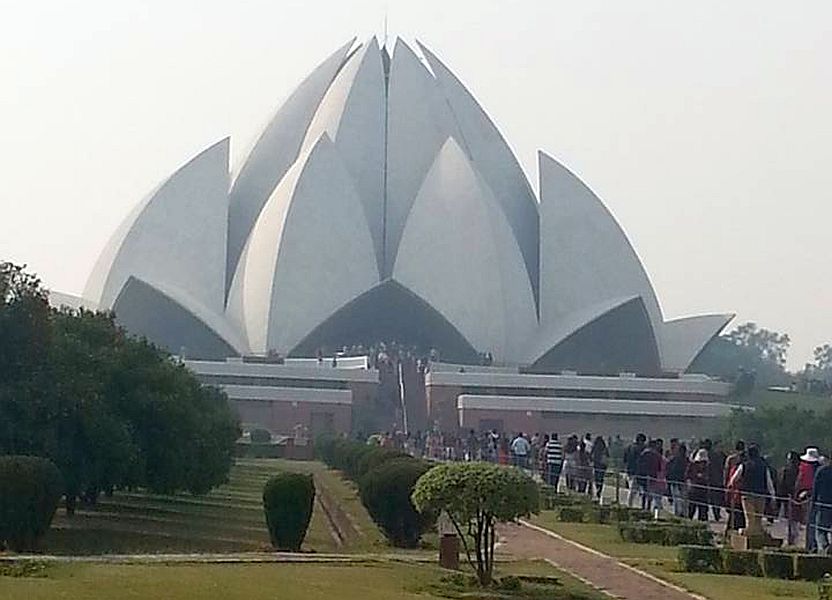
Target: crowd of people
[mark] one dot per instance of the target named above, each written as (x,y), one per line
(703,482)
(697,481)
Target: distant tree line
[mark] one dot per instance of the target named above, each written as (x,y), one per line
(752,357)
(748,356)
(111,411)
(781,429)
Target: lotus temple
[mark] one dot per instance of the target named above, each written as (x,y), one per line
(380,204)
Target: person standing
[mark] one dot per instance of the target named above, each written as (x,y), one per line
(584,478)
(677,468)
(697,478)
(716,479)
(631,455)
(753,479)
(647,472)
(733,501)
(659,483)
(822,501)
(554,460)
(786,482)
(599,459)
(520,449)
(540,457)
(588,442)
(570,462)
(806,470)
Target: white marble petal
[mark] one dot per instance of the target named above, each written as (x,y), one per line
(274,152)
(494,160)
(419,121)
(159,240)
(352,114)
(549,337)
(459,254)
(309,253)
(683,339)
(585,257)
(175,320)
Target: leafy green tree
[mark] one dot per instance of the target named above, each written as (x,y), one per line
(477,496)
(25,338)
(108,409)
(748,356)
(781,429)
(823,358)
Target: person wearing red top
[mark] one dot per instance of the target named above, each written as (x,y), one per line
(803,492)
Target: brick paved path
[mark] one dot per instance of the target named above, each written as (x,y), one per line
(598,570)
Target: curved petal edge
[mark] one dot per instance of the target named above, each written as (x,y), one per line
(684,339)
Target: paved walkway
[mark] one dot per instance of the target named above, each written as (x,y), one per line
(600,571)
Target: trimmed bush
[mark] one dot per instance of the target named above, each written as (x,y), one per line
(260,436)
(287,500)
(665,533)
(624,513)
(386,491)
(30,489)
(741,562)
(700,559)
(385,479)
(777,565)
(570,514)
(812,567)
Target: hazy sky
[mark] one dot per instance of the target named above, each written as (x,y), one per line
(705,126)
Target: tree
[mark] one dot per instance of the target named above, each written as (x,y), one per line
(823,357)
(779,430)
(477,496)
(108,409)
(768,345)
(747,356)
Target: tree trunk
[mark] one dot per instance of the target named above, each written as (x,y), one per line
(482,574)
(69,503)
(491,538)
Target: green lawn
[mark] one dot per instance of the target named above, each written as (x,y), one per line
(733,587)
(381,581)
(604,538)
(229,519)
(661,562)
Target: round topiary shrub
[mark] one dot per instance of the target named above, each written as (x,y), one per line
(386,491)
(287,500)
(30,489)
(260,436)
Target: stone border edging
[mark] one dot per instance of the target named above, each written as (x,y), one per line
(595,552)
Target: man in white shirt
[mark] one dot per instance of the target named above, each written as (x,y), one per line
(520,449)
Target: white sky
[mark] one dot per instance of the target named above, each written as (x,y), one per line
(705,126)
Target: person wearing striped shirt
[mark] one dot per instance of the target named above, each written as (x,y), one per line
(554,460)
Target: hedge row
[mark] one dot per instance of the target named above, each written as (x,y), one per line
(754,563)
(385,480)
(665,533)
(574,508)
